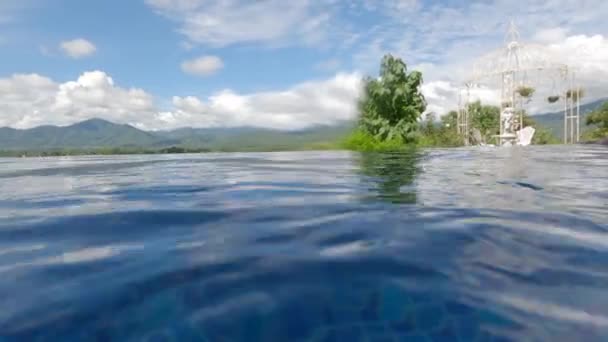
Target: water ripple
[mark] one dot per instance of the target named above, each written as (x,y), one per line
(443,245)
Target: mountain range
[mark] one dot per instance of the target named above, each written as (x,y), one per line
(98,133)
(86,134)
(555,121)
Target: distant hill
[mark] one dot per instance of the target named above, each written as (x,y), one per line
(97,133)
(555,121)
(86,134)
(251,138)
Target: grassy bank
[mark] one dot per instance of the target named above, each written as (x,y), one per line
(360,140)
(319,146)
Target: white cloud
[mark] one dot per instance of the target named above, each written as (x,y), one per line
(221,23)
(441,40)
(444,39)
(23,96)
(203,66)
(586,54)
(33,100)
(439,95)
(443,96)
(78,48)
(551,35)
(306,104)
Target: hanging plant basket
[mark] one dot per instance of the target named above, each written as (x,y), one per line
(525,91)
(552,99)
(574,94)
(507,104)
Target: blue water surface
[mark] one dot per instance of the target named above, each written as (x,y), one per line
(436,245)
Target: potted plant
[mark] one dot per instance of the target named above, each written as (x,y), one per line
(575,94)
(553,99)
(525,91)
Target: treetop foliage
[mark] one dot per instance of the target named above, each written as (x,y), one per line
(393,103)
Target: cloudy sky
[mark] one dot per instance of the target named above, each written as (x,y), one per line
(160,64)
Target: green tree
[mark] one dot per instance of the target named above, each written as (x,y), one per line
(485,118)
(429,125)
(428,132)
(599,119)
(544,136)
(450,120)
(393,103)
(442,133)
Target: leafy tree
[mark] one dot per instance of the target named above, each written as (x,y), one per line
(485,118)
(429,125)
(450,120)
(599,119)
(544,136)
(393,103)
(439,134)
(428,132)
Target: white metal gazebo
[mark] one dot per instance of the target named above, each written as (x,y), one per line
(519,71)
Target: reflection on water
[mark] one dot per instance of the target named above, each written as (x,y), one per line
(393,174)
(436,245)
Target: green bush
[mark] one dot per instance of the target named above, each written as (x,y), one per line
(598,121)
(360,140)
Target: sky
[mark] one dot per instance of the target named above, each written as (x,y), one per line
(164,64)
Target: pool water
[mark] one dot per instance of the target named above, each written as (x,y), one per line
(470,244)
